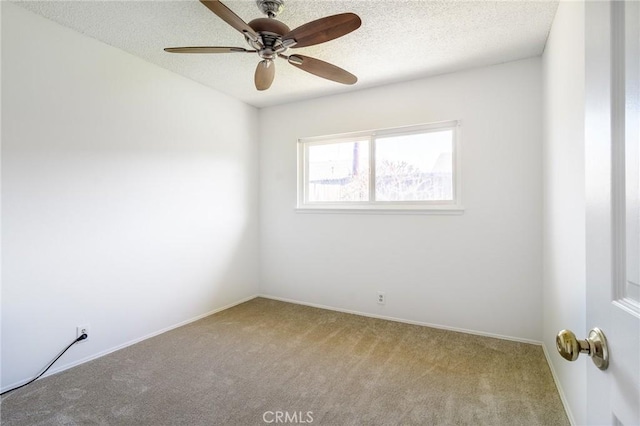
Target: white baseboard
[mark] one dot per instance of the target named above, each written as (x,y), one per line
(402,320)
(129,343)
(556,380)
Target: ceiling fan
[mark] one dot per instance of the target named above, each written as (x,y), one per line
(270,38)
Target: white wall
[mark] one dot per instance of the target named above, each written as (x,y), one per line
(564,198)
(479,271)
(129,196)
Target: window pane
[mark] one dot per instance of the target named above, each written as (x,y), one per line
(415,167)
(338,172)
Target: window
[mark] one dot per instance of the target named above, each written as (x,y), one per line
(408,168)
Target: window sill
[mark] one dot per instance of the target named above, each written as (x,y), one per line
(421,210)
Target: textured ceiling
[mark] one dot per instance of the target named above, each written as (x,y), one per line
(398,40)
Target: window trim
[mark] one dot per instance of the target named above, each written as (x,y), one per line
(425,207)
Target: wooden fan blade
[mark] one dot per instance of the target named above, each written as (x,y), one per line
(324,29)
(229,17)
(265,72)
(322,69)
(207,49)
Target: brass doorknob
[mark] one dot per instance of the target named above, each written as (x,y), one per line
(595,346)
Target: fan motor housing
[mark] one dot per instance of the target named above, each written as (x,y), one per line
(270,32)
(269,25)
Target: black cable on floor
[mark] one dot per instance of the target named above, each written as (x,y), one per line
(82,337)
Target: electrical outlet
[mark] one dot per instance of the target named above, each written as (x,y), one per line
(381,298)
(83,329)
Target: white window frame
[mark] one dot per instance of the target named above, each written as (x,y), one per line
(372,206)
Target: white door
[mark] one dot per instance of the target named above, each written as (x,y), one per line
(612,117)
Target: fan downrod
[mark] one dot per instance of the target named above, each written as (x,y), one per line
(271,8)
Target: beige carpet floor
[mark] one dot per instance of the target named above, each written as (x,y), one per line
(244,365)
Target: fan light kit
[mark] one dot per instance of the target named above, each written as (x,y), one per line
(270,38)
